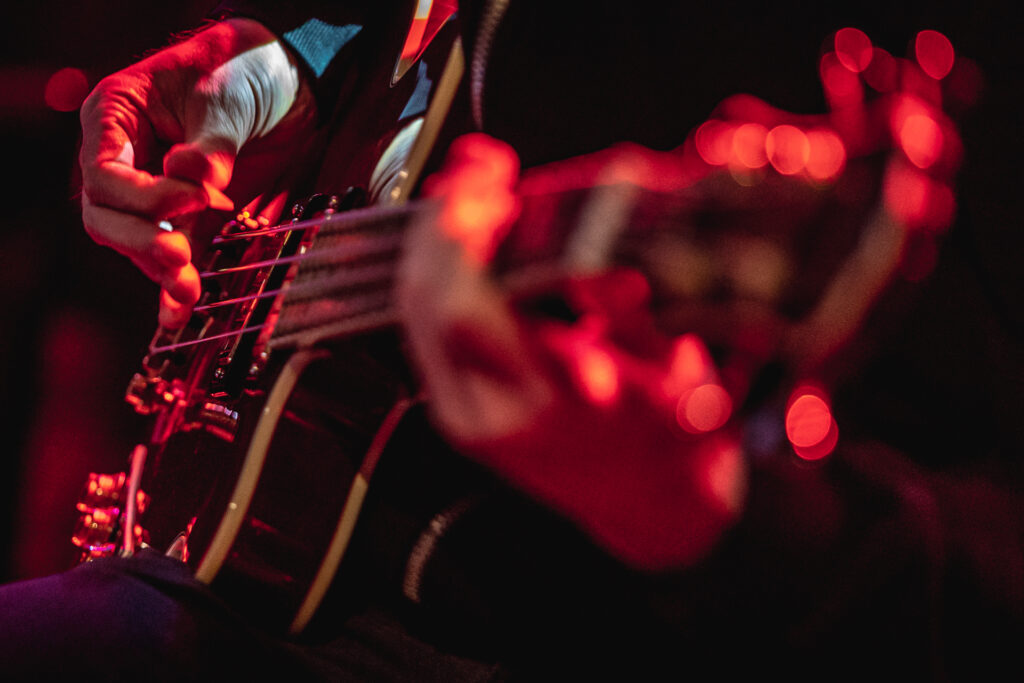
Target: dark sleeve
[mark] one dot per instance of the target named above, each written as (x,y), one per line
(329,38)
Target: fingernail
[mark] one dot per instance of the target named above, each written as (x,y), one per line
(218,200)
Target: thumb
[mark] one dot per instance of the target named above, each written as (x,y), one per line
(240,100)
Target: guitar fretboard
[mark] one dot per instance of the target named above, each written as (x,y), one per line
(345,282)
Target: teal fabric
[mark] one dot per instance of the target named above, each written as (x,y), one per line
(318,42)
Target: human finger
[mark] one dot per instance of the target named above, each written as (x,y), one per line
(206,163)
(153,250)
(179,293)
(126,189)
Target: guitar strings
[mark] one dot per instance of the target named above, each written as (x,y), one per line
(358,306)
(360,277)
(367,247)
(336,225)
(331,223)
(355,277)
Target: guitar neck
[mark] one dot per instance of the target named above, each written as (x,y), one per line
(346,276)
(345,281)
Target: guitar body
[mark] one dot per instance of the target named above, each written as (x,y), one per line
(262,450)
(265,517)
(272,406)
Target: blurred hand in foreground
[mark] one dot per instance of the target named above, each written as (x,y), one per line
(580,415)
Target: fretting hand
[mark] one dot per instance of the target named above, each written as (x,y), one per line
(581,416)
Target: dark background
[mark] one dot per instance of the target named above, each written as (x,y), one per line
(75,318)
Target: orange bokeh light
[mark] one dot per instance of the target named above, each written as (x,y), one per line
(788,149)
(598,374)
(853,49)
(934,53)
(100,516)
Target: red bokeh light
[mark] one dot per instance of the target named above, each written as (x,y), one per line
(807,420)
(725,471)
(714,142)
(748,145)
(690,365)
(821,449)
(917,200)
(598,374)
(788,149)
(703,409)
(478,179)
(934,53)
(906,194)
(842,86)
(810,427)
(826,154)
(853,49)
(66,89)
(921,140)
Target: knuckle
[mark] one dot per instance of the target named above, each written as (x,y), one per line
(172,200)
(100,93)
